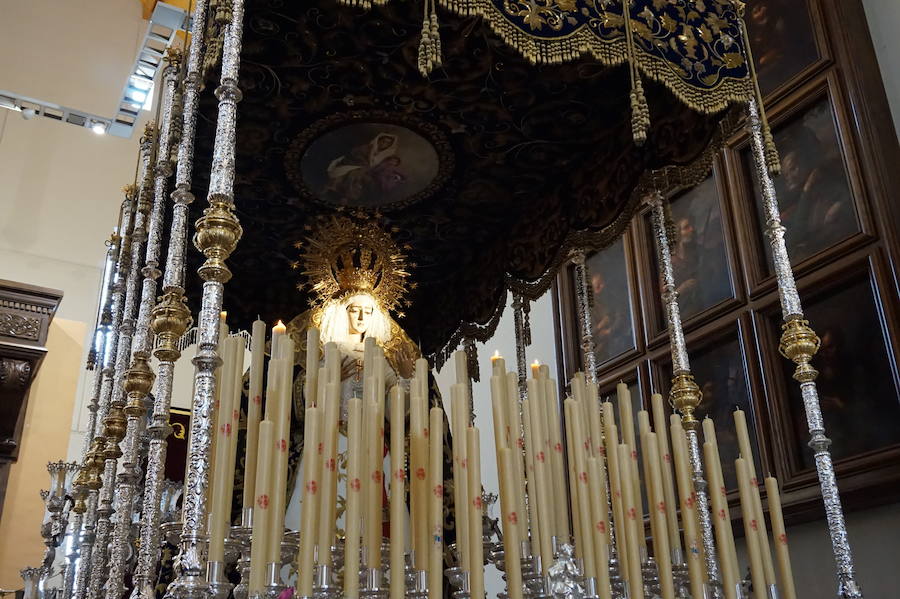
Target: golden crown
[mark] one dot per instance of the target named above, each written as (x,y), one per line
(345,256)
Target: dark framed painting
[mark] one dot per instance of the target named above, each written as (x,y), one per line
(782,39)
(815,192)
(720,368)
(700,260)
(612,316)
(859,393)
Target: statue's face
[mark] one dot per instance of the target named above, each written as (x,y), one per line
(359,313)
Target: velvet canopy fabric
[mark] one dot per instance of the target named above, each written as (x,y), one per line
(508,165)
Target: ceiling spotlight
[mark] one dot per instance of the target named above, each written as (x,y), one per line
(98,128)
(28,113)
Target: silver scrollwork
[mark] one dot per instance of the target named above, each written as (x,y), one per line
(128,479)
(583,295)
(190,582)
(681,368)
(792,313)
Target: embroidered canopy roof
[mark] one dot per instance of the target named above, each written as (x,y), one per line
(491,168)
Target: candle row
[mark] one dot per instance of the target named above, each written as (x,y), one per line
(540,504)
(272,440)
(603,463)
(266,467)
(467,480)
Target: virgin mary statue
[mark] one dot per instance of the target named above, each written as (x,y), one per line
(357,277)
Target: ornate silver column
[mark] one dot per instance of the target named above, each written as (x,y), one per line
(584,315)
(685,394)
(170,318)
(97,362)
(93,463)
(96,359)
(139,377)
(799,343)
(585,301)
(114,423)
(218,232)
(523,340)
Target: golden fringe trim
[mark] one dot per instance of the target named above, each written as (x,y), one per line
(580,43)
(613,52)
(584,43)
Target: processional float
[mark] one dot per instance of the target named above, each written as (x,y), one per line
(571,485)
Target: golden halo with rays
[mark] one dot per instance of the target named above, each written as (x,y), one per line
(344,256)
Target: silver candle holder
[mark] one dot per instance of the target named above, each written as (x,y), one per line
(326,584)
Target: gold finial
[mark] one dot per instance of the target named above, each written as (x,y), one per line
(113,431)
(799,343)
(93,465)
(174,56)
(344,256)
(130,191)
(138,383)
(685,396)
(218,232)
(169,319)
(149,130)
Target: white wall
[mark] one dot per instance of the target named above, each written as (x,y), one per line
(60,185)
(873,538)
(884,18)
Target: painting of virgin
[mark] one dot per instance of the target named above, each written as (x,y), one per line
(368,165)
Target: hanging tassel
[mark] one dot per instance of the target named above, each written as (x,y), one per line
(436,36)
(223,12)
(640,112)
(430,42)
(472,359)
(773,163)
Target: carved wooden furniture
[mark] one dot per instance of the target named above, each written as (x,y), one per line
(25,315)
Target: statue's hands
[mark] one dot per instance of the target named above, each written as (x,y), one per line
(349,367)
